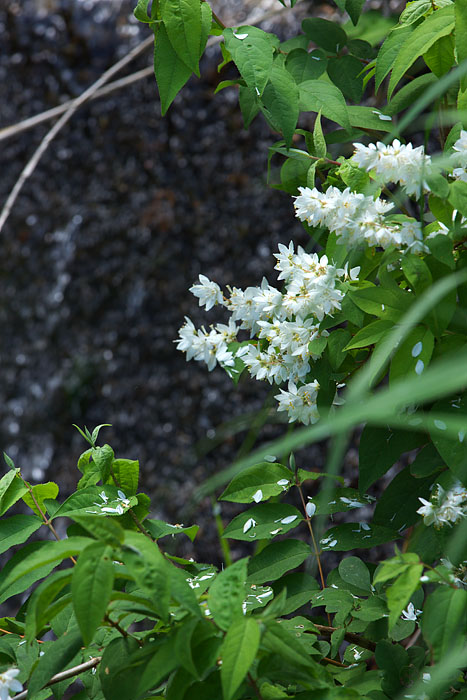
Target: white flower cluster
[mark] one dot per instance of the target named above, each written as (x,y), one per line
(355,218)
(460,157)
(283,323)
(445,508)
(398,163)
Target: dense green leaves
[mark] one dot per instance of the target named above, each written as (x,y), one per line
(91,587)
(238,653)
(227,593)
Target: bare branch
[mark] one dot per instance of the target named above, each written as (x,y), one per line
(64,675)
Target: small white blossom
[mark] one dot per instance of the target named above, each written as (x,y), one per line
(300,403)
(411,613)
(209,293)
(9,683)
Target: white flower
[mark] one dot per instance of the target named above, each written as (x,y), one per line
(209,293)
(449,507)
(411,613)
(300,403)
(8,682)
(460,148)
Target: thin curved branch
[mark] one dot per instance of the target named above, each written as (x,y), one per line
(64,675)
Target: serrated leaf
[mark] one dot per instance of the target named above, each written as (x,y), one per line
(380,448)
(12,488)
(306,66)
(91,586)
(17,529)
(56,658)
(389,52)
(370,334)
(319,142)
(299,587)
(227,593)
(182,22)
(413,355)
(444,620)
(352,570)
(280,100)
(106,529)
(276,559)
(316,95)
(238,652)
(249,104)
(328,35)
(158,528)
(252,54)
(41,492)
(263,522)
(345,72)
(126,473)
(388,304)
(258,483)
(171,72)
(148,568)
(440,57)
(439,24)
(356,536)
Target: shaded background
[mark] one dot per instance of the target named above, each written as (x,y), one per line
(123,212)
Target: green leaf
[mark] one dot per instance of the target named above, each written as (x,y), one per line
(453,451)
(444,620)
(56,658)
(413,355)
(427,462)
(126,473)
(380,448)
(258,483)
(41,492)
(306,66)
(48,553)
(91,587)
(391,659)
(149,569)
(40,601)
(370,334)
(238,652)
(249,104)
(182,592)
(400,592)
(115,679)
(334,600)
(356,536)
(458,196)
(227,593)
(89,501)
(276,559)
(252,54)
(370,610)
(108,530)
(141,11)
(358,180)
(12,488)
(279,640)
(263,522)
(182,22)
(345,72)
(299,587)
(352,570)
(398,505)
(337,341)
(183,646)
(417,272)
(354,8)
(415,10)
(319,142)
(423,37)
(294,174)
(171,72)
(389,52)
(440,57)
(17,529)
(103,459)
(388,304)
(342,501)
(280,100)
(316,95)
(24,582)
(461,36)
(409,93)
(158,528)
(328,35)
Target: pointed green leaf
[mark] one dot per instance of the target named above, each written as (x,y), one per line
(279,640)
(41,492)
(399,593)
(148,568)
(370,334)
(306,66)
(439,24)
(354,571)
(126,473)
(380,448)
(17,529)
(388,304)
(345,72)
(328,35)
(158,528)
(252,51)
(316,95)
(276,559)
(389,52)
(413,355)
(440,57)
(227,593)
(263,522)
(444,620)
(249,104)
(258,483)
(356,536)
(56,658)
(238,653)
(319,142)
(280,100)
(12,488)
(171,72)
(91,587)
(354,8)
(182,22)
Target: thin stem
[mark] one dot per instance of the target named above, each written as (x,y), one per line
(64,675)
(254,685)
(122,631)
(391,196)
(315,546)
(349,637)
